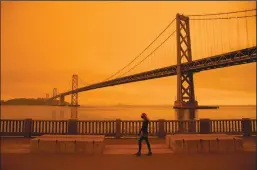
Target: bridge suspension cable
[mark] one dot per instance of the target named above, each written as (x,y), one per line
(219,34)
(246,16)
(217,42)
(142,51)
(234,33)
(148,54)
(83,81)
(223,13)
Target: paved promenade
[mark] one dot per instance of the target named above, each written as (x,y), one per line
(15,155)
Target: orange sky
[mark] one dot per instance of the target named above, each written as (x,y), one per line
(44,43)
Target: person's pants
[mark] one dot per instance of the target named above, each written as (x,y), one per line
(143,137)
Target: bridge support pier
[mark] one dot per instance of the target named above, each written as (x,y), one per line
(62,101)
(185,81)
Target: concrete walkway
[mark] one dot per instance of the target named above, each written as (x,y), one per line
(132,149)
(119,156)
(109,149)
(242,161)
(113,146)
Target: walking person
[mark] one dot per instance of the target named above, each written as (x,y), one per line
(144,135)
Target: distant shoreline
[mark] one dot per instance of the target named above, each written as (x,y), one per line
(30,102)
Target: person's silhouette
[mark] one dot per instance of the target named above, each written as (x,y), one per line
(144,135)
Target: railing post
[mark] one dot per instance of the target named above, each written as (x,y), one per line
(27,128)
(246,126)
(72,126)
(161,132)
(118,128)
(205,126)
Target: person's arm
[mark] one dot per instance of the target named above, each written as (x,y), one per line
(141,129)
(144,126)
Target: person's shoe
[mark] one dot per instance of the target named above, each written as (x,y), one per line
(138,154)
(150,154)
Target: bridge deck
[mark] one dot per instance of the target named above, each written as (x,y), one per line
(238,57)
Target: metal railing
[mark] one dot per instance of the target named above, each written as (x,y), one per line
(185,126)
(227,126)
(96,127)
(119,128)
(40,127)
(9,127)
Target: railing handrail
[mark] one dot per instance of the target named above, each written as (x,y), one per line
(127,120)
(12,119)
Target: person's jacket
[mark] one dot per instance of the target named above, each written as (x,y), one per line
(144,128)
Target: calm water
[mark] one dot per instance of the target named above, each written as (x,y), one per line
(124,113)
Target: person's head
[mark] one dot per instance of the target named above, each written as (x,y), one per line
(144,116)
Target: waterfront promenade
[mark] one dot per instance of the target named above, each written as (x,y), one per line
(15,155)
(15,151)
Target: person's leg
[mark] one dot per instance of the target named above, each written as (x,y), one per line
(148,145)
(139,145)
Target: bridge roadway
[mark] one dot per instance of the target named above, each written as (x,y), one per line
(238,57)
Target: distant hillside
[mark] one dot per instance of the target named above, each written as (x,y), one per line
(24,101)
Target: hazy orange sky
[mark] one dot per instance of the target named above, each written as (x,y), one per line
(44,43)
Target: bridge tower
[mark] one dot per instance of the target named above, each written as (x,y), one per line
(54,92)
(185,81)
(74,96)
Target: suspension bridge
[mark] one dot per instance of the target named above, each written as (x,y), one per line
(216,40)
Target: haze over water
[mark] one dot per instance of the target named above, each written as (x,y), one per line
(124,112)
